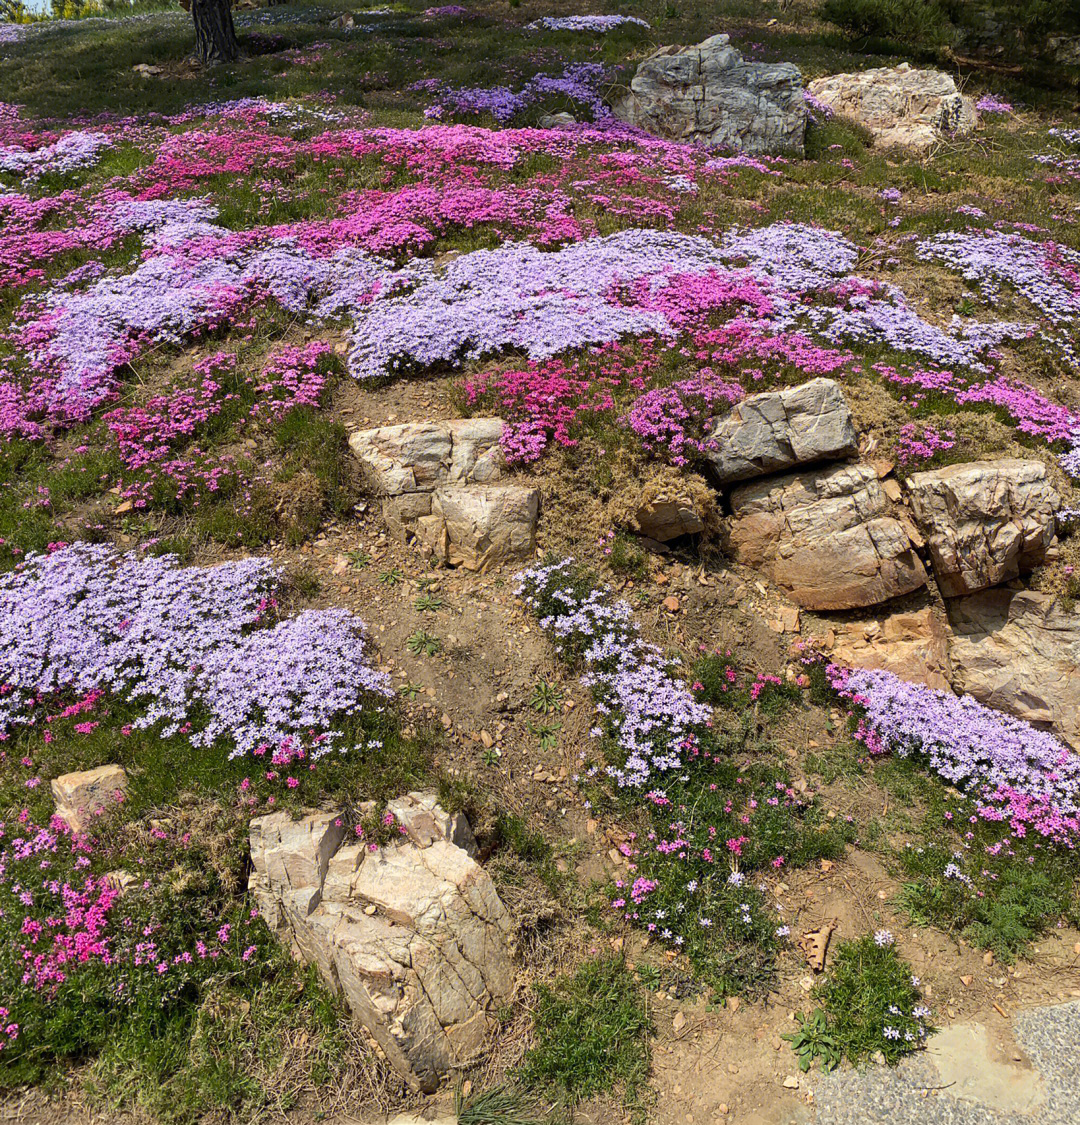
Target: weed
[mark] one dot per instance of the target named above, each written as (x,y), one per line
(428,603)
(423,642)
(499,1105)
(359,559)
(545,698)
(548,733)
(392,576)
(813,1042)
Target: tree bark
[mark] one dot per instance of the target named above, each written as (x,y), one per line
(215,36)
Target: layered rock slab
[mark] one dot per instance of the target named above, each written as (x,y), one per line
(778,430)
(413,934)
(826,537)
(440,483)
(899,105)
(913,645)
(709,94)
(1019,651)
(985,522)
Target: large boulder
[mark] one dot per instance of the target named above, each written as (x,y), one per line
(826,537)
(778,430)
(85,794)
(709,94)
(413,934)
(438,484)
(1019,651)
(985,522)
(899,105)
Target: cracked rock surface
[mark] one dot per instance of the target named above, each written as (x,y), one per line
(439,484)
(826,537)
(985,522)
(413,933)
(899,105)
(709,94)
(778,430)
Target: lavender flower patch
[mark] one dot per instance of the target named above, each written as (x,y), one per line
(650,714)
(1020,773)
(599,24)
(580,82)
(190,647)
(71,152)
(1047,275)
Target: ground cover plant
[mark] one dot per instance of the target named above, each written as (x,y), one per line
(208,275)
(720,814)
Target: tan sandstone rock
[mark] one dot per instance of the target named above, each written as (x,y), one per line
(1019,651)
(985,522)
(913,646)
(82,795)
(480,526)
(899,105)
(413,934)
(668,515)
(826,537)
(778,430)
(438,483)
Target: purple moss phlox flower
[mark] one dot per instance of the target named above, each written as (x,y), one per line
(650,713)
(191,647)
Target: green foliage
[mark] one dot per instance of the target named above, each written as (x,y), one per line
(545,698)
(423,642)
(428,603)
(592,1034)
(813,1042)
(902,21)
(627,558)
(392,576)
(868,989)
(997,898)
(499,1105)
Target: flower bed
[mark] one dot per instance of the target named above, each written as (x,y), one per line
(194,650)
(716,813)
(1016,774)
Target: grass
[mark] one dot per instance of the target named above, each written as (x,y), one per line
(867,989)
(592,1035)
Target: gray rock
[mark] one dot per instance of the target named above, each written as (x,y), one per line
(780,429)
(985,522)
(826,537)
(708,93)
(413,934)
(899,105)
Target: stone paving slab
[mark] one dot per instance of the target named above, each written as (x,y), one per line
(970,1081)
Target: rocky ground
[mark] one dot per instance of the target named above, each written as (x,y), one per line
(332,791)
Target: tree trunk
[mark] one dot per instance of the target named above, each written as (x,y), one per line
(215,36)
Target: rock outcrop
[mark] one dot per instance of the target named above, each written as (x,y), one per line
(412,933)
(709,94)
(667,514)
(912,645)
(439,484)
(826,537)
(83,795)
(1019,651)
(899,105)
(778,430)
(984,522)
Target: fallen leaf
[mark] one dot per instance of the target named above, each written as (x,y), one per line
(815,944)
